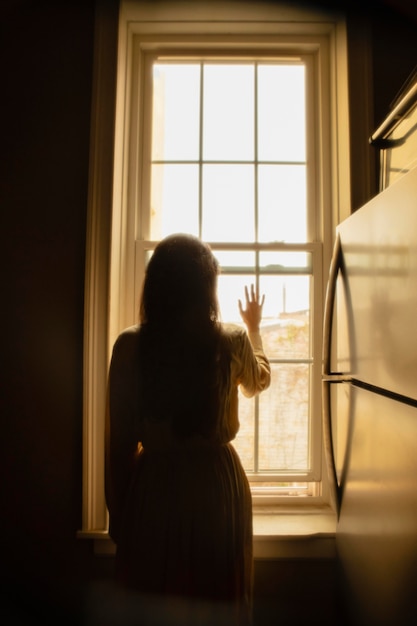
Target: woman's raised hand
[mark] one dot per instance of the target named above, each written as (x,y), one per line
(252,313)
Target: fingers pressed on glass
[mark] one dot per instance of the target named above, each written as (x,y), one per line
(254,295)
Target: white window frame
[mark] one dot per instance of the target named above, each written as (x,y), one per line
(111,290)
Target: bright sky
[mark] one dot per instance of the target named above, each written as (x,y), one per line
(228,145)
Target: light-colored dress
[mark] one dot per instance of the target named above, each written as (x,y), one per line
(181,509)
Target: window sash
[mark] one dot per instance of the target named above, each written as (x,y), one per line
(144,86)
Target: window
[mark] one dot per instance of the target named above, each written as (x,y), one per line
(227,130)
(226,159)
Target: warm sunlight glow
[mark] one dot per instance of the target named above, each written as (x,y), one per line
(228,128)
(238,152)
(228,164)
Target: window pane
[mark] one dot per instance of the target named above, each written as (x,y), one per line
(228,129)
(230,290)
(281,113)
(282,203)
(228,203)
(280,262)
(286,316)
(232,261)
(176,112)
(174,200)
(284,419)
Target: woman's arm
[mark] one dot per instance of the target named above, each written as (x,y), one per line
(256,370)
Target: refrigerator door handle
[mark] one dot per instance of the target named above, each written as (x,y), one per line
(328,377)
(337,378)
(335,492)
(329,305)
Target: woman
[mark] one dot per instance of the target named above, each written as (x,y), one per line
(178,497)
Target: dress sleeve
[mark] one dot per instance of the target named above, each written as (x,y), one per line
(254,372)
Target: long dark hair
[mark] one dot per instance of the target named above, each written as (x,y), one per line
(182,360)
(180,283)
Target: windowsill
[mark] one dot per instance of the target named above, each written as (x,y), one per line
(279,535)
(293,534)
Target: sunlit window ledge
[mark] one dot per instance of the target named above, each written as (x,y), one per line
(305,533)
(281,534)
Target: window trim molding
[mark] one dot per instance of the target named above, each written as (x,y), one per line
(106,234)
(98,232)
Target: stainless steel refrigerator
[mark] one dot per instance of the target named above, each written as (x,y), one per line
(370,400)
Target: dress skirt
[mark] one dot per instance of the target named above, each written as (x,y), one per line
(187,532)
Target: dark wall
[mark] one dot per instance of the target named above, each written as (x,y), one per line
(46,80)
(46,84)
(386,31)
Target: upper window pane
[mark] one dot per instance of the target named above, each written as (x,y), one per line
(174,200)
(176,112)
(281,113)
(282,203)
(228,203)
(243,186)
(228,112)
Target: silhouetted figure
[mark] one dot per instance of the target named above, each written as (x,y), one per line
(179,499)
